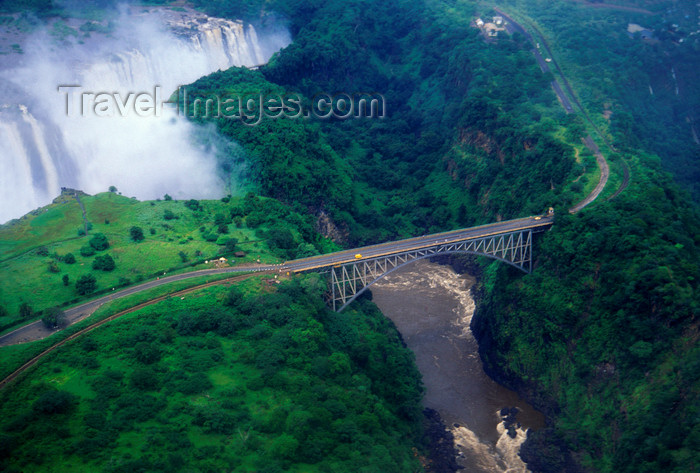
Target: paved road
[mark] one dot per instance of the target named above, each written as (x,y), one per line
(36,330)
(513,27)
(604,174)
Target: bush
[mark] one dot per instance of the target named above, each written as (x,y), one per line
(86,284)
(54,317)
(230,245)
(192,204)
(87,251)
(136,233)
(99,242)
(69,258)
(144,379)
(54,402)
(53,267)
(25,310)
(66,280)
(169,215)
(147,353)
(104,263)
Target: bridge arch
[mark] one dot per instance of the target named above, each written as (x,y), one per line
(349,280)
(401,265)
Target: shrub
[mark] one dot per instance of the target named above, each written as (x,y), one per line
(25,310)
(104,263)
(99,242)
(69,258)
(136,233)
(144,379)
(87,250)
(192,204)
(54,317)
(86,284)
(54,402)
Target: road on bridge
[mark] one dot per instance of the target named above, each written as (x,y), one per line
(426,241)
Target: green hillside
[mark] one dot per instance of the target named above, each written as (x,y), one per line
(177,236)
(249,378)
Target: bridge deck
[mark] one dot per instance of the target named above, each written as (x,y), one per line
(385,249)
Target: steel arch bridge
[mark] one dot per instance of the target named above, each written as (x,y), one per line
(349,280)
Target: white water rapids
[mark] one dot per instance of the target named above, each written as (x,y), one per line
(432,307)
(42,149)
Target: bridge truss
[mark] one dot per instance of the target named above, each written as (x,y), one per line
(349,280)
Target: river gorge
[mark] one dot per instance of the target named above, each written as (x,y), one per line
(432,306)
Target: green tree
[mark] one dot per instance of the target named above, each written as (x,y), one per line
(104,263)
(53,317)
(144,378)
(167,197)
(53,266)
(25,310)
(99,242)
(112,189)
(65,279)
(86,284)
(230,245)
(69,258)
(192,204)
(87,251)
(54,402)
(169,215)
(136,233)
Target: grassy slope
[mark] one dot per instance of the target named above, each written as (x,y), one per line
(56,226)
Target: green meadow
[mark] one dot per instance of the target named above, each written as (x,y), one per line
(177,236)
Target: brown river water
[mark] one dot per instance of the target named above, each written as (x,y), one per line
(432,307)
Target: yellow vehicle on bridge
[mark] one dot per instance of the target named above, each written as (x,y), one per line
(358,256)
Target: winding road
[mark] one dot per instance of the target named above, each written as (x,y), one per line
(513,26)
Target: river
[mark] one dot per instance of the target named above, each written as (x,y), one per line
(432,307)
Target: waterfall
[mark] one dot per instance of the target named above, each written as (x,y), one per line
(42,149)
